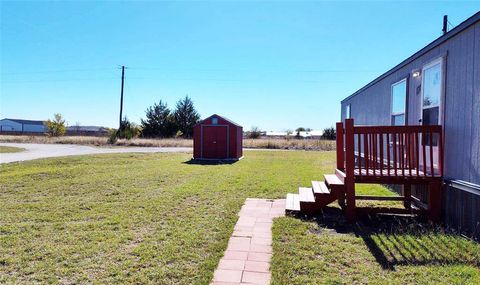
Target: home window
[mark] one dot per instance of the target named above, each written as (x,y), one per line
(348,114)
(399,98)
(214,121)
(431,97)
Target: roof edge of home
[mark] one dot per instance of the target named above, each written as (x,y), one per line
(440,40)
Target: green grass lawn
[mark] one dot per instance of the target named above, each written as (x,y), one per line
(382,251)
(10,149)
(155,218)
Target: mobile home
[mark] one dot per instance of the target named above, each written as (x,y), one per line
(438,85)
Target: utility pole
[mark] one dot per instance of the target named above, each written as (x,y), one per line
(121,98)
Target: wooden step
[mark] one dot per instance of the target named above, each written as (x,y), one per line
(306,195)
(332,180)
(292,203)
(319,187)
(340,174)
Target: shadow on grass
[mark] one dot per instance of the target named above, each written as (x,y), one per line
(402,240)
(209,162)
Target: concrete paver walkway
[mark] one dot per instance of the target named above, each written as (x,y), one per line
(247,258)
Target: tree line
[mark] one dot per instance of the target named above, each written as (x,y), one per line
(161,122)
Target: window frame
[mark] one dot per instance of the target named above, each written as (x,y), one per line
(429,65)
(348,111)
(404,113)
(440,61)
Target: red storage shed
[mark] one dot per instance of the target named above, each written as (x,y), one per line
(217,138)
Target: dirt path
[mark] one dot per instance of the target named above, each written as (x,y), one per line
(36,151)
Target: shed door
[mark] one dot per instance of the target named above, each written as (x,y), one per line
(215,142)
(431,105)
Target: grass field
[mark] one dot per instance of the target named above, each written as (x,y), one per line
(159,218)
(10,149)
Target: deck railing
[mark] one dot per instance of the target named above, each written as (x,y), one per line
(397,151)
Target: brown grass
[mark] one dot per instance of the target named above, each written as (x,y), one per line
(102,141)
(308,144)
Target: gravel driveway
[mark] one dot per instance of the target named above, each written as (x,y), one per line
(36,151)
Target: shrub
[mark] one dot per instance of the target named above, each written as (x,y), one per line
(254,133)
(112,136)
(57,126)
(179,134)
(128,130)
(329,133)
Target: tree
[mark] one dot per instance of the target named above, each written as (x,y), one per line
(57,126)
(186,116)
(128,130)
(329,133)
(300,129)
(254,133)
(159,121)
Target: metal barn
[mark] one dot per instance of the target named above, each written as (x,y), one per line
(18,126)
(217,138)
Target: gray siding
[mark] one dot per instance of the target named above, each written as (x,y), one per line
(461,118)
(462,211)
(461,102)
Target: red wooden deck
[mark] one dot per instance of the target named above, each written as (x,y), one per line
(403,155)
(391,155)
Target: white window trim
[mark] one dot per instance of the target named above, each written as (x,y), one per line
(440,100)
(348,111)
(391,102)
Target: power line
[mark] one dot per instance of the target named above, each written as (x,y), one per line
(450,24)
(57,80)
(195,69)
(232,79)
(257,69)
(55,71)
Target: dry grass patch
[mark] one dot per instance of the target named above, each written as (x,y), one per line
(293,144)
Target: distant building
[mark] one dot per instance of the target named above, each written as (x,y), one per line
(311,134)
(18,126)
(21,126)
(276,134)
(303,135)
(87,130)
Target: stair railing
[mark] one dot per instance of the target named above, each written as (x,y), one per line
(340,146)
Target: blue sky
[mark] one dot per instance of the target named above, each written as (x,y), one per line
(276,65)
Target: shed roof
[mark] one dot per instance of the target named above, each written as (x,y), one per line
(215,115)
(25,122)
(440,40)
